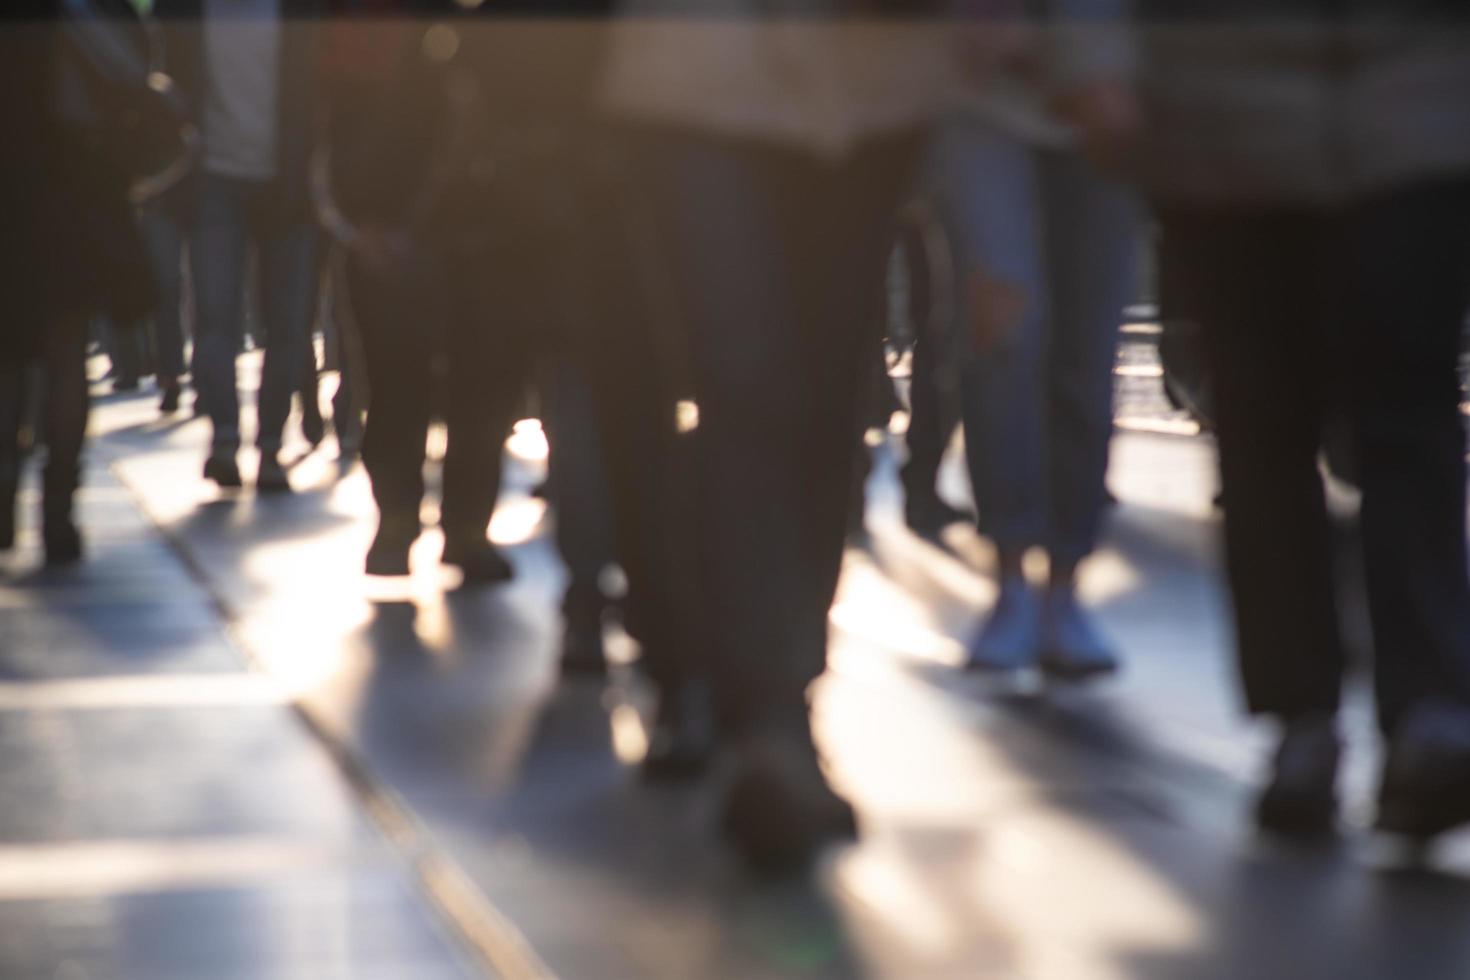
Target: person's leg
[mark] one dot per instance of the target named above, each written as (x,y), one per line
(988,189)
(288,285)
(218,258)
(1409,288)
(932,423)
(1259,285)
(488,362)
(164,237)
(719,210)
(1092,237)
(842,255)
(66,429)
(398,347)
(578,490)
(313,426)
(1254,282)
(13,369)
(777,367)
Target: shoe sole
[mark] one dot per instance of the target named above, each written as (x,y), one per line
(1075,673)
(227,481)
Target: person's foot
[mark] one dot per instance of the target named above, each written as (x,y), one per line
(313,426)
(779,811)
(927,514)
(1426,780)
(388,554)
(63,542)
(223,470)
(349,439)
(583,653)
(127,383)
(684,736)
(272,478)
(1011,638)
(169,403)
(1072,647)
(481,562)
(8,488)
(1301,798)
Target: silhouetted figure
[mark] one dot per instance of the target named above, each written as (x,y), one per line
(248,67)
(1313,172)
(771,154)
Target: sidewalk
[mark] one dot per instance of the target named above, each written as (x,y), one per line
(1026,834)
(166,815)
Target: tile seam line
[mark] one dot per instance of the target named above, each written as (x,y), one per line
(487,934)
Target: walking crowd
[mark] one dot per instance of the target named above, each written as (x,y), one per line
(628,207)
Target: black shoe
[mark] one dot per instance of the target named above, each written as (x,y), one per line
(169,403)
(63,542)
(927,514)
(583,653)
(8,488)
(128,383)
(1426,780)
(224,471)
(313,426)
(479,560)
(388,555)
(1301,799)
(685,734)
(271,477)
(779,812)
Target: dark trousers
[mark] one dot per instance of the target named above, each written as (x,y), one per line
(779,258)
(163,234)
(1355,311)
(430,349)
(63,422)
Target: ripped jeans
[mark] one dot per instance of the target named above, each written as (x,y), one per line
(1046,253)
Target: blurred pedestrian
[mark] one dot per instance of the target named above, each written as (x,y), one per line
(771,150)
(1313,173)
(89,126)
(249,69)
(1044,248)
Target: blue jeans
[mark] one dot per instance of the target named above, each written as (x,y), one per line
(1046,252)
(232,216)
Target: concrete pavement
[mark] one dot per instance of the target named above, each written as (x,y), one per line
(491,818)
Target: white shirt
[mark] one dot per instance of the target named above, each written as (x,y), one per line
(242,43)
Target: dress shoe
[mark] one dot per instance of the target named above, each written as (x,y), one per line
(388,554)
(313,426)
(1072,647)
(1301,798)
(481,562)
(223,470)
(1426,780)
(271,477)
(779,811)
(169,403)
(684,736)
(63,542)
(583,652)
(1011,638)
(927,514)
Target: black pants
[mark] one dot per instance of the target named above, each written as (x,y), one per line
(63,422)
(1358,311)
(779,257)
(435,343)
